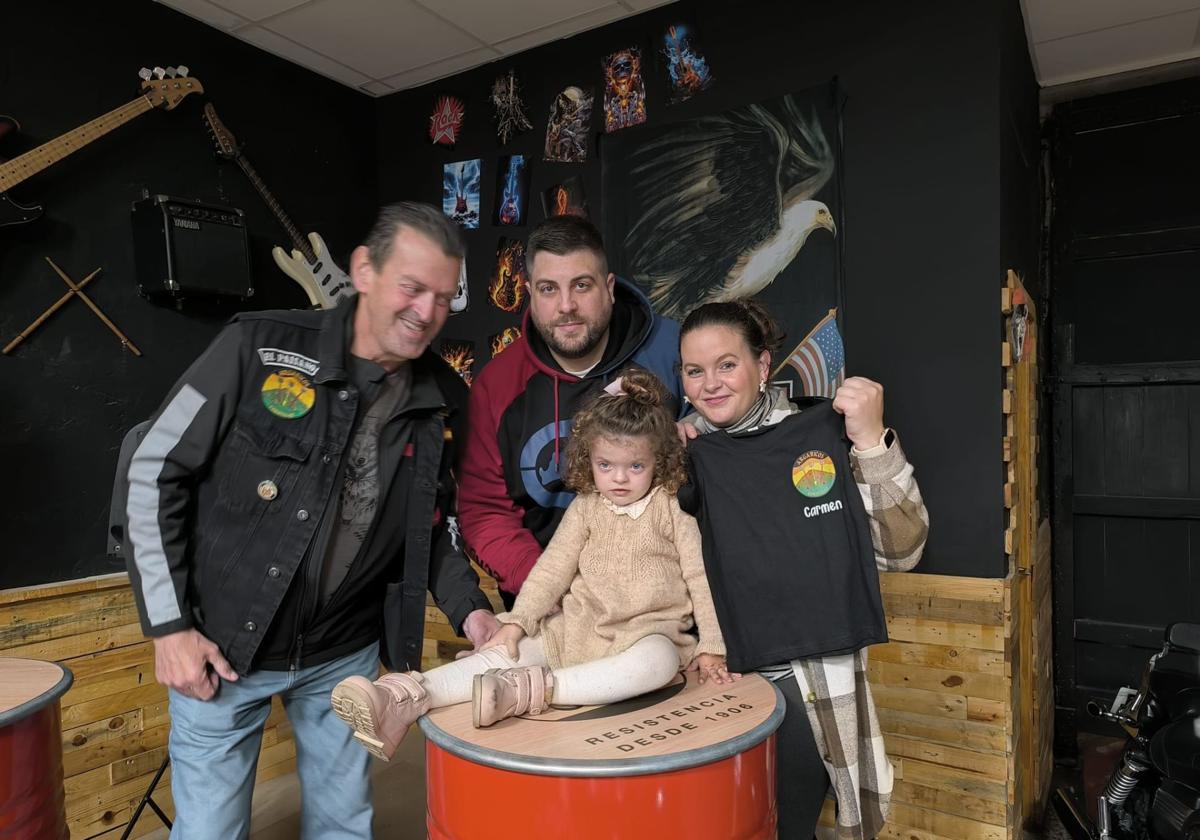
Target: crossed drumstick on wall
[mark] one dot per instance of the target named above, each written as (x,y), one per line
(74,290)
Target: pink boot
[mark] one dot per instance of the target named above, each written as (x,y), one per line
(381,712)
(501,693)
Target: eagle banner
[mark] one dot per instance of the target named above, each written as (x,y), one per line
(745,203)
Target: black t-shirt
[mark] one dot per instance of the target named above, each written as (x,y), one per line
(787,543)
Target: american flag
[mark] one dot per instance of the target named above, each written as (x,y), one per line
(820,359)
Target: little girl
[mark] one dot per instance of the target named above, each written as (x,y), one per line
(606,612)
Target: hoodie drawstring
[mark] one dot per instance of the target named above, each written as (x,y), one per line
(556,435)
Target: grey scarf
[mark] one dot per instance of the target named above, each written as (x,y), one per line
(771,406)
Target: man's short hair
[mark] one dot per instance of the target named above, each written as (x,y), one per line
(561,235)
(422,218)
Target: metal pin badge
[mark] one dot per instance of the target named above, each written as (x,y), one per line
(267,490)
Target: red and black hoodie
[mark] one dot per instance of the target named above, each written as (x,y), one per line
(511,494)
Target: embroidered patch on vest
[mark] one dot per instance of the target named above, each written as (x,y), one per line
(288,394)
(813,474)
(274,357)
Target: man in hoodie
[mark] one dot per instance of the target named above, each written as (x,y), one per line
(582,327)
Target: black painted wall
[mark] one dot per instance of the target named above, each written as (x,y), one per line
(940,183)
(70,390)
(940,119)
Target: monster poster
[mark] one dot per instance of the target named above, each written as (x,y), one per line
(739,204)
(509,107)
(686,69)
(568,126)
(501,340)
(565,199)
(460,192)
(509,286)
(460,355)
(624,90)
(512,190)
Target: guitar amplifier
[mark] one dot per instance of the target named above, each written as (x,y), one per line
(185,248)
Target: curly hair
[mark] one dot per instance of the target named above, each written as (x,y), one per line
(640,411)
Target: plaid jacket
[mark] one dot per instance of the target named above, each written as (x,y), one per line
(838,696)
(835,687)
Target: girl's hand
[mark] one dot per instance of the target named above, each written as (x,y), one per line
(712,667)
(507,637)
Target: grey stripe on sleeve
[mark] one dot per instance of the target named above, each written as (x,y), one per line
(145,535)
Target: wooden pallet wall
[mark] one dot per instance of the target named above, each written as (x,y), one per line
(114,718)
(1027,543)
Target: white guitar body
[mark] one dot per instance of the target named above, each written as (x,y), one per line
(324,283)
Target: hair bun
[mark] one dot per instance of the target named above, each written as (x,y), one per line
(642,387)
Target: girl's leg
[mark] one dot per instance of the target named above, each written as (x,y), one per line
(451,683)
(647,664)
(381,712)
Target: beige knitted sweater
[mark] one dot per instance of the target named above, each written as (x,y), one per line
(620,573)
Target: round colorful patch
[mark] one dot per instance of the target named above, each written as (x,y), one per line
(813,473)
(288,394)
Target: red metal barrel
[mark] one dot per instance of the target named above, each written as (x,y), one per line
(31,773)
(686,761)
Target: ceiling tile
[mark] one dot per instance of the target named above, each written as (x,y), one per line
(441,69)
(209,13)
(1120,48)
(259,9)
(1050,19)
(491,21)
(284,48)
(377,37)
(565,29)
(376,88)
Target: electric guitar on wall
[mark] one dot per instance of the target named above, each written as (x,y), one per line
(309,263)
(161,88)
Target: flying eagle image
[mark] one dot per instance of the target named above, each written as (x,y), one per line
(725,204)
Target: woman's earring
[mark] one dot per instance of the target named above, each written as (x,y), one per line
(762,387)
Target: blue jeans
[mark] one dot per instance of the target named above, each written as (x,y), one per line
(214,752)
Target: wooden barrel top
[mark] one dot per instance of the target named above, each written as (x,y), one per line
(28,685)
(682,725)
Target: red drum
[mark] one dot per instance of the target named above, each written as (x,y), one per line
(688,760)
(31,773)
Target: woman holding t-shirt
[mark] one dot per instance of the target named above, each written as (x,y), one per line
(799,504)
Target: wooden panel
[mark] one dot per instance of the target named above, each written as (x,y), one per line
(940,656)
(951,802)
(985,737)
(115,717)
(928,631)
(939,679)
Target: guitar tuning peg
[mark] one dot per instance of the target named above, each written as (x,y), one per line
(182,70)
(170,72)
(145,74)
(159,72)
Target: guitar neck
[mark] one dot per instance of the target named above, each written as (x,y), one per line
(33,162)
(298,241)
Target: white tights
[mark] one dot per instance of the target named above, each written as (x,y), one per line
(649,663)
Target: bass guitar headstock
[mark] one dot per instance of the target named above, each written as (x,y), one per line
(167,87)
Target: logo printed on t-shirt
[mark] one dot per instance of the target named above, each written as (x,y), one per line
(288,394)
(813,474)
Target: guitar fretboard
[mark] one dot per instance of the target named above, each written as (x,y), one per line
(298,241)
(33,162)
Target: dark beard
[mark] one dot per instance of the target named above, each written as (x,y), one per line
(591,342)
